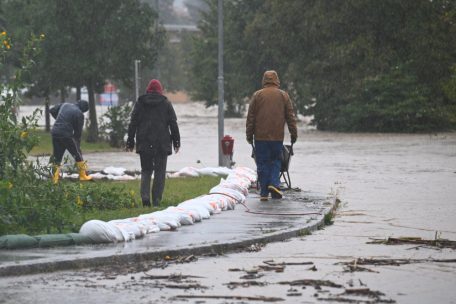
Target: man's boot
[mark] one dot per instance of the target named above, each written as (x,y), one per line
(55,174)
(82,167)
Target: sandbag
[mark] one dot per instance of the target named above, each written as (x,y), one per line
(239,179)
(130,230)
(114,171)
(169,221)
(199,208)
(187,171)
(235,185)
(239,197)
(80,239)
(206,172)
(185,217)
(247,172)
(101,232)
(18,241)
(148,224)
(53,240)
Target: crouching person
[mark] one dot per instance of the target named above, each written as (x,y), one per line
(66,135)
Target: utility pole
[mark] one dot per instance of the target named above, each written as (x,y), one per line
(220,82)
(137,62)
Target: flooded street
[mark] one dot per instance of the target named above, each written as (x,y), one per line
(389,185)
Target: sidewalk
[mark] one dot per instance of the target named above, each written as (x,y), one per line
(226,231)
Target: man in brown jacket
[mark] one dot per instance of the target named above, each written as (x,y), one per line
(269,110)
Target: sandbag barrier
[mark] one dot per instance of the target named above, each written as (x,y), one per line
(122,174)
(231,190)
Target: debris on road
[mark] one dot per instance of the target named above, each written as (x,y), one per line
(439,243)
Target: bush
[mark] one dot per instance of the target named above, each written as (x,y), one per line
(114,124)
(29,202)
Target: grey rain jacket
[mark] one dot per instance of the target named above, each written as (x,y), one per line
(69,119)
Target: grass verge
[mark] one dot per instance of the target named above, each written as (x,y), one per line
(39,207)
(44,146)
(176,191)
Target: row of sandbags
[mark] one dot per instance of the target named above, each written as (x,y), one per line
(230,191)
(23,241)
(119,173)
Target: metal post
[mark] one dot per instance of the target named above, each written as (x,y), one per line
(220,81)
(137,62)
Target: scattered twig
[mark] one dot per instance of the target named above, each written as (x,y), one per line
(182,286)
(310,282)
(171,277)
(272,268)
(440,243)
(252,276)
(393,262)
(233,285)
(272,263)
(239,298)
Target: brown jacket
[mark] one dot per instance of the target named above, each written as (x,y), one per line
(269,109)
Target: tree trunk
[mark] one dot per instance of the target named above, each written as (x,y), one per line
(93,124)
(62,95)
(78,93)
(47,117)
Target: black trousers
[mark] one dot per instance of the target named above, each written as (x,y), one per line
(152,162)
(60,144)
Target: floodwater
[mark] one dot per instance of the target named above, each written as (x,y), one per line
(395,185)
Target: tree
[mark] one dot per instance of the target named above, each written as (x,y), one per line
(89,41)
(238,71)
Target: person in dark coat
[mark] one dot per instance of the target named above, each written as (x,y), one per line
(66,135)
(154,123)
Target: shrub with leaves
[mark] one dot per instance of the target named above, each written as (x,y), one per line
(114,124)
(29,202)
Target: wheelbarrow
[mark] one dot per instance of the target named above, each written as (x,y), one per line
(285,158)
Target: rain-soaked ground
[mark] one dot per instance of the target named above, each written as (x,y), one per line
(389,185)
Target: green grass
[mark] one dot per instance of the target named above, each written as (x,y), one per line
(44,146)
(176,191)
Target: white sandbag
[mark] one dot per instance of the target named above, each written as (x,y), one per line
(183,217)
(172,220)
(239,197)
(147,223)
(130,230)
(208,200)
(200,202)
(72,176)
(235,185)
(124,177)
(196,217)
(224,202)
(239,179)
(206,172)
(164,227)
(198,207)
(187,171)
(247,172)
(116,171)
(222,171)
(98,175)
(101,232)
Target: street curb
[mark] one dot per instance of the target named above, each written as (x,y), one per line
(18,270)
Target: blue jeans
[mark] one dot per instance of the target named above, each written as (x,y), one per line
(267,155)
